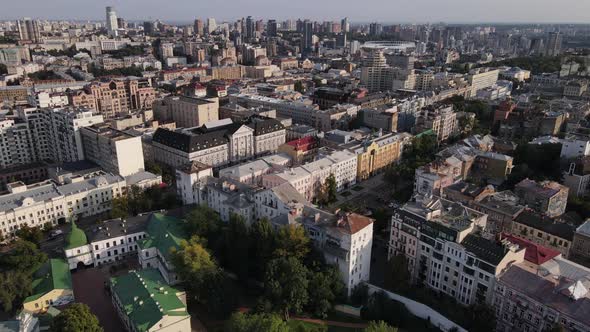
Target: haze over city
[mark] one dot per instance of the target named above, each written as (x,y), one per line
(455,11)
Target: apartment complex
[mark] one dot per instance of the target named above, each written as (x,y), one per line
(375,154)
(113,150)
(187,112)
(547,197)
(440,242)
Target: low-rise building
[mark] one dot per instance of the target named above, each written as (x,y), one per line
(547,197)
(51,286)
(544,230)
(145,302)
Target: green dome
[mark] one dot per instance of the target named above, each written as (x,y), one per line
(76,237)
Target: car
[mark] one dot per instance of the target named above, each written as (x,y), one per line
(56,233)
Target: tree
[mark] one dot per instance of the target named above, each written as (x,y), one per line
(481,318)
(380,326)
(324,288)
(299,87)
(236,246)
(204,222)
(31,234)
(263,244)
(240,322)
(398,275)
(292,242)
(218,294)
(77,317)
(331,188)
(119,207)
(286,285)
(194,264)
(16,285)
(25,257)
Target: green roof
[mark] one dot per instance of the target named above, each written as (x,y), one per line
(146,298)
(164,233)
(53,274)
(75,238)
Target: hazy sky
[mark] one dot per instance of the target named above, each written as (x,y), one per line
(577,11)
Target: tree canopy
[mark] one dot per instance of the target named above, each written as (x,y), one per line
(77,317)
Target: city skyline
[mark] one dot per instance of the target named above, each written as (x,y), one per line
(418,11)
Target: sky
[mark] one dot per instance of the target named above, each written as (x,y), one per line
(385,11)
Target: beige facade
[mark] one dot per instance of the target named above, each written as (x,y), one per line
(187,112)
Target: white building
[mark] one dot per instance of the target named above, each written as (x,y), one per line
(50,203)
(113,150)
(189,181)
(573,147)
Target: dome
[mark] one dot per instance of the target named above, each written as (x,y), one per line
(76,237)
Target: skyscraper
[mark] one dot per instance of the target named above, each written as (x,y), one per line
(271,28)
(307,37)
(375,29)
(28,29)
(199,29)
(112,24)
(250,28)
(211,25)
(345,25)
(148,28)
(554,44)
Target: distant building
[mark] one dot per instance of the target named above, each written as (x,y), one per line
(187,112)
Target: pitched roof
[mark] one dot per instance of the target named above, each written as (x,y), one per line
(164,233)
(146,298)
(486,250)
(534,253)
(75,238)
(546,224)
(53,274)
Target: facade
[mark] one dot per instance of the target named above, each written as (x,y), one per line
(502,208)
(188,181)
(51,286)
(482,78)
(145,302)
(49,203)
(580,250)
(115,151)
(384,118)
(187,112)
(439,241)
(442,121)
(301,150)
(220,144)
(374,155)
(545,231)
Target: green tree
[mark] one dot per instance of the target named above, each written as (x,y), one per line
(481,318)
(218,294)
(263,244)
(331,188)
(240,322)
(324,288)
(380,326)
(292,242)
(299,87)
(16,285)
(77,317)
(194,264)
(25,257)
(286,285)
(398,275)
(31,234)
(119,208)
(204,222)
(236,246)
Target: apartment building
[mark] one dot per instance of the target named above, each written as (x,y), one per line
(382,117)
(440,242)
(547,197)
(113,150)
(481,78)
(49,203)
(375,154)
(545,231)
(442,121)
(537,297)
(115,97)
(187,112)
(502,208)
(16,143)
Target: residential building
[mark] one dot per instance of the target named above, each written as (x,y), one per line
(115,151)
(580,250)
(547,197)
(440,242)
(145,302)
(51,286)
(383,117)
(49,203)
(482,78)
(530,297)
(189,179)
(502,208)
(301,150)
(28,30)
(375,154)
(442,121)
(543,230)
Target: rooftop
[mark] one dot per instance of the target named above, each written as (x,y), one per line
(53,274)
(164,233)
(546,224)
(146,298)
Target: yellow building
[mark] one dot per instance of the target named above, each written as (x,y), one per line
(374,155)
(52,286)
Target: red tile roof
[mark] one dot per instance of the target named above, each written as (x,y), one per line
(534,253)
(304,143)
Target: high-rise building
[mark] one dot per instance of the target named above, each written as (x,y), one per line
(211,25)
(345,25)
(28,29)
(307,38)
(148,28)
(375,29)
(554,44)
(112,24)
(271,28)
(250,28)
(199,28)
